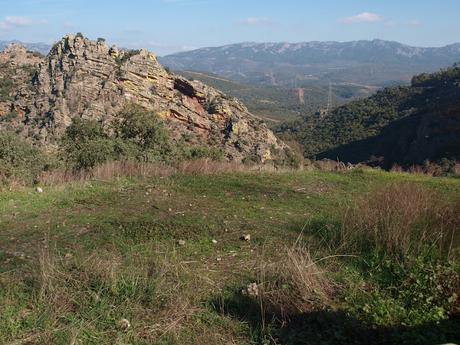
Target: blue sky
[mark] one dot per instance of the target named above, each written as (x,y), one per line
(167,26)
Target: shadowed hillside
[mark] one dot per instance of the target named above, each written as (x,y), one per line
(404,125)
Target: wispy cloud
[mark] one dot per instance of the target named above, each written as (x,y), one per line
(18,21)
(365,17)
(256,21)
(415,22)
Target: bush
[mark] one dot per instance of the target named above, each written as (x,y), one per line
(138,134)
(85,145)
(6,86)
(404,234)
(413,292)
(143,134)
(19,160)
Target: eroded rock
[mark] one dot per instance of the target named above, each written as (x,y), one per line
(87,79)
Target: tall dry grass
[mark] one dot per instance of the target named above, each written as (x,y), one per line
(107,171)
(294,285)
(400,219)
(122,169)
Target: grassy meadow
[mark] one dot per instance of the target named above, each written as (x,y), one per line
(354,257)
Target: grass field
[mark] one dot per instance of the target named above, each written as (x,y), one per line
(79,258)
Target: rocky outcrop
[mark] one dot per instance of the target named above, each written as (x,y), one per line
(88,79)
(17,65)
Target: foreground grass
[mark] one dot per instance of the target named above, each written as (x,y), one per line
(78,258)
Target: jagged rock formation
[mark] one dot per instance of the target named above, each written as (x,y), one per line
(17,66)
(83,78)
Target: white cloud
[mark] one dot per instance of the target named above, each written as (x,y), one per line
(415,22)
(365,17)
(17,21)
(256,20)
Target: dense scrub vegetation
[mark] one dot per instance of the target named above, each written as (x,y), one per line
(137,134)
(358,121)
(20,160)
(6,84)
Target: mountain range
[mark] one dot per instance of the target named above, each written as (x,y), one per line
(373,63)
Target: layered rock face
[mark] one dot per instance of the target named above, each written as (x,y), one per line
(87,79)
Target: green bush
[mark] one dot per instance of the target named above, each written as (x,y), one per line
(413,292)
(143,133)
(85,145)
(137,134)
(19,160)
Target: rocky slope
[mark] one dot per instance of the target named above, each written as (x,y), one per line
(17,65)
(88,79)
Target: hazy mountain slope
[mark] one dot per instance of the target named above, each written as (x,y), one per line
(364,62)
(404,125)
(42,48)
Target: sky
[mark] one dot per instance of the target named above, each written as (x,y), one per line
(167,26)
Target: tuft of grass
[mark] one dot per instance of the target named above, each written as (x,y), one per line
(295,284)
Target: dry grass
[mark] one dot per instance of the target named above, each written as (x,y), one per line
(121,169)
(107,171)
(207,166)
(294,285)
(456,169)
(399,219)
(158,295)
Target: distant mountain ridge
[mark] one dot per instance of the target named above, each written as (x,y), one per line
(39,47)
(374,62)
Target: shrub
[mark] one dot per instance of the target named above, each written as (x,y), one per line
(6,86)
(199,152)
(19,160)
(85,145)
(405,234)
(138,134)
(144,134)
(413,292)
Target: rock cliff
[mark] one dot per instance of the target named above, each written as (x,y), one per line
(88,79)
